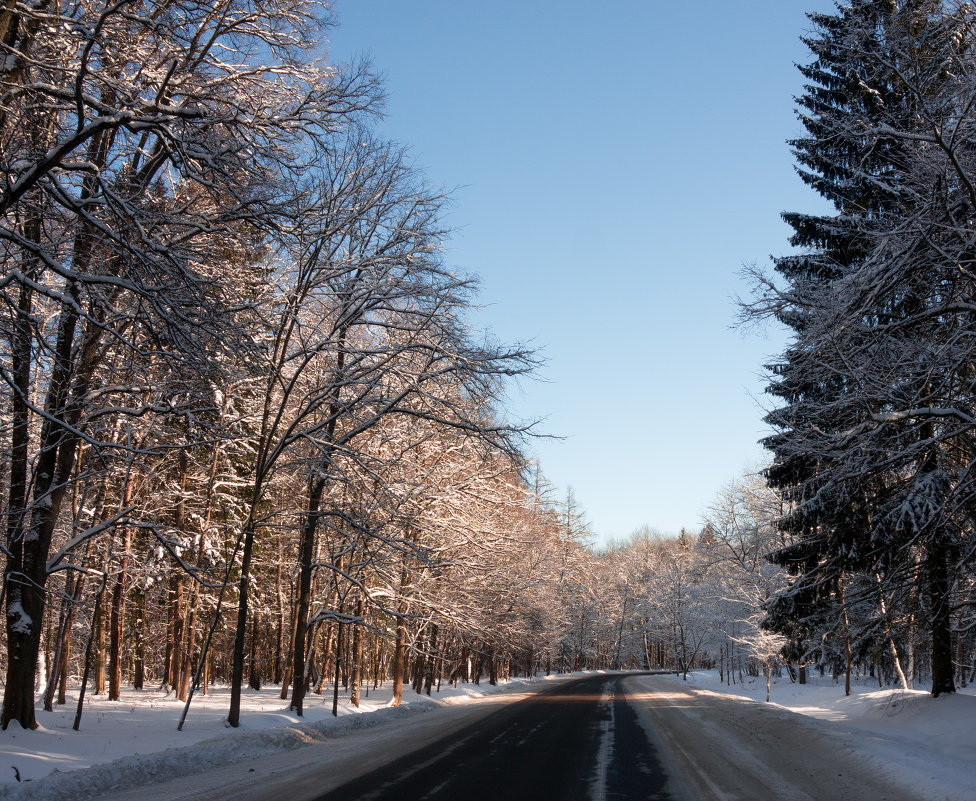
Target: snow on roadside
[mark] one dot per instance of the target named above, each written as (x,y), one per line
(133,741)
(925,743)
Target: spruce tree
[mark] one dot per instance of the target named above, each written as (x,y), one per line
(854,174)
(872,480)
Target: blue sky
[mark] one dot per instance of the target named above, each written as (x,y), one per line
(613,167)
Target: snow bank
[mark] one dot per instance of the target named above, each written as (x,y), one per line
(926,743)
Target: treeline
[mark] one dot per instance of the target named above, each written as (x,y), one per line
(708,600)
(249,433)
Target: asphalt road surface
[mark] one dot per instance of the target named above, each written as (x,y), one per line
(578,741)
(604,738)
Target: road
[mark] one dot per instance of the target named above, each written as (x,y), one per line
(576,742)
(599,738)
(605,738)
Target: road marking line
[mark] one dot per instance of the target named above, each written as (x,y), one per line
(605,751)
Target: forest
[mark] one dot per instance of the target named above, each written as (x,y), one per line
(252,437)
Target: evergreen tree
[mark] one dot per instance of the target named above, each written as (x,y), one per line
(850,172)
(870,475)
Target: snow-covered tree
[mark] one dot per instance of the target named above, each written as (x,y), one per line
(135,155)
(872,452)
(739,535)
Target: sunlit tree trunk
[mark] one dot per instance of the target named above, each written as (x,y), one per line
(357,653)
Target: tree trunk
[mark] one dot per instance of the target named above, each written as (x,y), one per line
(175,633)
(237,661)
(961,651)
(892,648)
(279,659)
(207,661)
(326,657)
(23,598)
(399,649)
(910,647)
(289,667)
(115,624)
(431,659)
(306,553)
(30,530)
(315,634)
(379,657)
(96,615)
(338,670)
(99,655)
(254,674)
(400,644)
(174,667)
(357,653)
(63,639)
(417,678)
(138,627)
(847,636)
(937,564)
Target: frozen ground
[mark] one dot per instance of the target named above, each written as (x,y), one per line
(928,745)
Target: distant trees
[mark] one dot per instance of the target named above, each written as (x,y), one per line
(738,537)
(873,447)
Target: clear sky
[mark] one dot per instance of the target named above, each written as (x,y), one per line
(614,166)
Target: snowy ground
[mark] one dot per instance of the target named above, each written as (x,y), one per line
(134,741)
(928,745)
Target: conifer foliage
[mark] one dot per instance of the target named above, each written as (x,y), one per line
(873,437)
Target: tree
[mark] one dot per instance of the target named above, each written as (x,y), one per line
(675,598)
(739,534)
(872,452)
(232,348)
(136,157)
